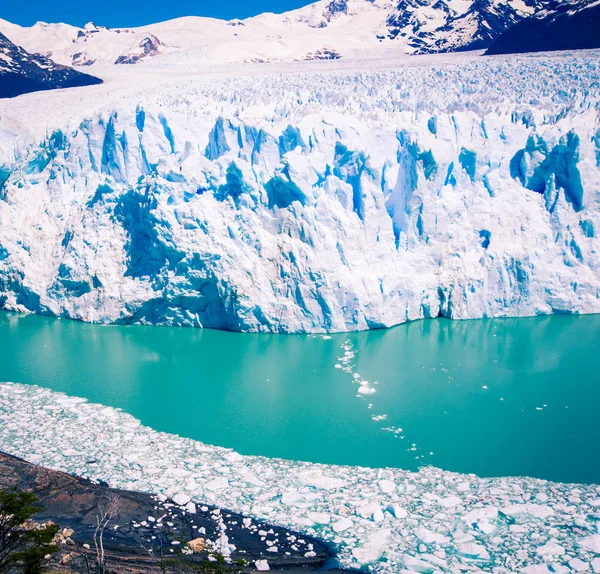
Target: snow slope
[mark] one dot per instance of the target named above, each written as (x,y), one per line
(344,27)
(315,198)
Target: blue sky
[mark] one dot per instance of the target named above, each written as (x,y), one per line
(115,13)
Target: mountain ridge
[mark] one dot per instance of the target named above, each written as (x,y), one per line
(22,72)
(573,25)
(344,27)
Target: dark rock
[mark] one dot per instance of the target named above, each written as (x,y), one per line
(147,48)
(474,29)
(22,72)
(564,26)
(72,503)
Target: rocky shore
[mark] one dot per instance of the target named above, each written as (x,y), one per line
(146,527)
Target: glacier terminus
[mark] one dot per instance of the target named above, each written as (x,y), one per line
(306,197)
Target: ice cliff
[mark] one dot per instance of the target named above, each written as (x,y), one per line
(303,202)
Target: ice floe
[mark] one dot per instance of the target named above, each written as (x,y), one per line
(380,520)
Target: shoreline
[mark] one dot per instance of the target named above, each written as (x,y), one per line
(305,333)
(70,501)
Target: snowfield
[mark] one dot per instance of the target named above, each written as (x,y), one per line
(324,29)
(308,197)
(385,520)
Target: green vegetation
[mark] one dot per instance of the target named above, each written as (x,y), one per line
(24,545)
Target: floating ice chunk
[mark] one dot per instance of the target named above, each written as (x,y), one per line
(342,525)
(578,565)
(366,390)
(436,560)
(449,501)
(550,549)
(535,510)
(190,507)
(318,480)
(473,550)
(70,401)
(536,569)
(178,472)
(591,543)
(596,565)
(72,452)
(486,527)
(251,478)
(387,486)
(319,517)
(217,484)
(396,511)
(481,515)
(293,498)
(373,549)
(181,499)
(378,418)
(415,565)
(304,521)
(371,511)
(233,457)
(261,565)
(429,537)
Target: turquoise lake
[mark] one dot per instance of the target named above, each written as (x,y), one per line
(498,397)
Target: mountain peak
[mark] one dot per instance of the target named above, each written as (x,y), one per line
(344,27)
(559,25)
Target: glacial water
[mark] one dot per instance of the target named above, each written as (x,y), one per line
(493,397)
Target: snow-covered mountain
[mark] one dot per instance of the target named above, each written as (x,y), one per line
(562,25)
(22,72)
(456,25)
(312,196)
(341,27)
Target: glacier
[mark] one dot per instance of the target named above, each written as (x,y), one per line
(315,197)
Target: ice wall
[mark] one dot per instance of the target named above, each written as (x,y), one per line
(322,212)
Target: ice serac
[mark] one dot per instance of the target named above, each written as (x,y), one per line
(350,204)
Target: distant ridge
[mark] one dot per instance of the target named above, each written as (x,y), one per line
(570,26)
(22,72)
(341,27)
